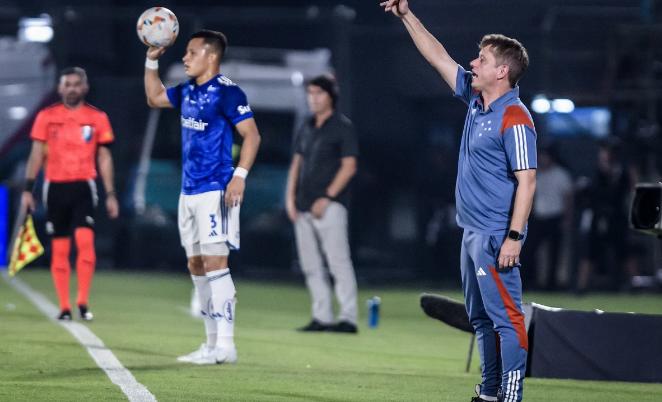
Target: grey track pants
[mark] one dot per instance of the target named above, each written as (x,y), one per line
(317,239)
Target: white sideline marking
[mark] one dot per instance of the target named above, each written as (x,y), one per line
(104,358)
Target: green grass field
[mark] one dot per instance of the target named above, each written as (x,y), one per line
(143,319)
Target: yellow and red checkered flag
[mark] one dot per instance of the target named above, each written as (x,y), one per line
(27,247)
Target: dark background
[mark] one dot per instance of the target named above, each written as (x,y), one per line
(597,53)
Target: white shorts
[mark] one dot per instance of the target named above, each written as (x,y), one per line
(206,225)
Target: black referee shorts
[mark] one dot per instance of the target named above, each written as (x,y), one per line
(69,205)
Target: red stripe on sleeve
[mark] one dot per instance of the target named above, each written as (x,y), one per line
(513,116)
(514,314)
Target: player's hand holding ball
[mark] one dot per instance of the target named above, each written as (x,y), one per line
(153,53)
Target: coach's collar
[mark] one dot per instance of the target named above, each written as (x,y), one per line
(504,99)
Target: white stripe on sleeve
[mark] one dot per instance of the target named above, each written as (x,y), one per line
(517,149)
(526,148)
(522,151)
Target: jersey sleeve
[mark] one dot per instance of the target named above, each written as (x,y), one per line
(463,88)
(235,106)
(519,139)
(105,130)
(175,95)
(38,132)
(350,144)
(297,142)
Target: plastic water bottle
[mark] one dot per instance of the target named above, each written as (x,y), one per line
(373,311)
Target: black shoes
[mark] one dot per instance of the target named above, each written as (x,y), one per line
(477,398)
(344,327)
(65,315)
(315,326)
(85,314)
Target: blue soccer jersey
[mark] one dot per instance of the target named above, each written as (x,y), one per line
(209,113)
(496,142)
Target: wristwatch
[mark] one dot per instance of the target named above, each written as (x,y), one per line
(515,235)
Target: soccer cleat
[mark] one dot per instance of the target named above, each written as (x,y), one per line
(315,326)
(226,355)
(205,355)
(65,315)
(344,327)
(85,314)
(196,355)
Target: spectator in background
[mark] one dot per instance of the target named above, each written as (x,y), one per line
(551,218)
(324,162)
(604,221)
(70,138)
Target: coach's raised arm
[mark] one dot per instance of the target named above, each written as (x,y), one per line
(433,51)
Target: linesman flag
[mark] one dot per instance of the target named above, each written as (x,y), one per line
(27,247)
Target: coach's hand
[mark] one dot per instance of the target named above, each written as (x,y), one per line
(319,207)
(153,53)
(234,193)
(27,201)
(509,253)
(397,7)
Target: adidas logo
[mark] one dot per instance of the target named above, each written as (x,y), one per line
(481,272)
(213,233)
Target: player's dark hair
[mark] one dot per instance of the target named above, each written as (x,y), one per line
(328,84)
(216,40)
(510,52)
(79,71)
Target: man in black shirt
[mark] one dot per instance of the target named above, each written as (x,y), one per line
(324,162)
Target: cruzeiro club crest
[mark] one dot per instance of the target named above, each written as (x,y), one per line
(86,133)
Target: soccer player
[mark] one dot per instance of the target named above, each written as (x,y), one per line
(496,181)
(70,137)
(211,106)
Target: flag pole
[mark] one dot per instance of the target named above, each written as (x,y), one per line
(18,224)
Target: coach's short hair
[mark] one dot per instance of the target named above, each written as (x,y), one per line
(215,39)
(79,71)
(328,84)
(508,51)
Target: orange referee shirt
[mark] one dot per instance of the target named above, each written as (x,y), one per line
(71,137)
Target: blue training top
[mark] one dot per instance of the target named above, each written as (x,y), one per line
(209,113)
(495,143)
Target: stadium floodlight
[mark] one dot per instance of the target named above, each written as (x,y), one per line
(541,104)
(37,29)
(17,112)
(297,78)
(563,105)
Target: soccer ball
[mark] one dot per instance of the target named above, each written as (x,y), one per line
(158,27)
